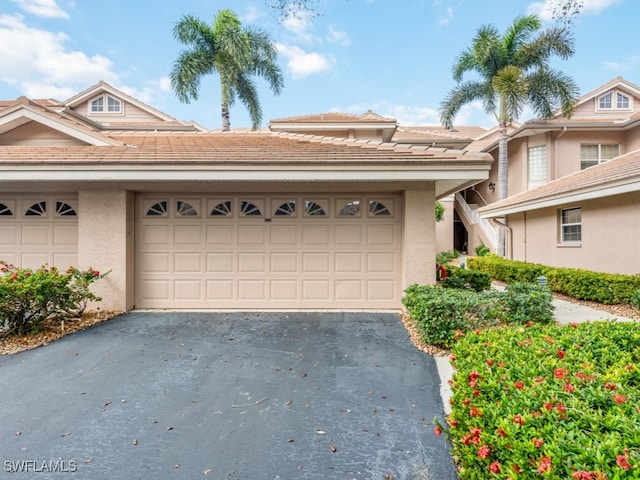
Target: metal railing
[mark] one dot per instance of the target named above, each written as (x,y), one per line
(472,217)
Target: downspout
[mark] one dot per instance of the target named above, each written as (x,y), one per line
(510,246)
(524,218)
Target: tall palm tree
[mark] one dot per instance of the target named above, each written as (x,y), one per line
(513,71)
(234,53)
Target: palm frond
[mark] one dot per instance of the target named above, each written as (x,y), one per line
(463,94)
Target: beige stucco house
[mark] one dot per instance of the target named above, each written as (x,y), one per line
(574,187)
(187,218)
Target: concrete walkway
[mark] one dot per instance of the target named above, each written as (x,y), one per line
(565,313)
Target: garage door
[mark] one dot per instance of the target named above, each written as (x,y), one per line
(38,230)
(268,252)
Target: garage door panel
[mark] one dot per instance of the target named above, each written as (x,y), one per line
(348,262)
(187,235)
(252,290)
(300,258)
(35,235)
(313,290)
(381,262)
(156,262)
(221,235)
(351,290)
(348,235)
(188,290)
(284,235)
(220,262)
(316,235)
(34,259)
(284,263)
(188,263)
(255,262)
(283,290)
(220,290)
(316,262)
(8,235)
(251,235)
(156,290)
(157,234)
(65,259)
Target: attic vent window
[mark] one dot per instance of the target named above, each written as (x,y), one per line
(614,101)
(106,104)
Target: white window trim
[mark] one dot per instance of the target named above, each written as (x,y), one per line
(614,101)
(105,105)
(562,225)
(600,159)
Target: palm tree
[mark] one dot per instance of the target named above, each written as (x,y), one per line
(513,71)
(234,53)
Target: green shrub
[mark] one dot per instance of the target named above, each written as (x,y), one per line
(445,257)
(28,297)
(439,211)
(462,278)
(482,250)
(635,301)
(442,314)
(600,287)
(547,402)
(528,302)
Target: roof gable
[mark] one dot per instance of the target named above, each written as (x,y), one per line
(25,111)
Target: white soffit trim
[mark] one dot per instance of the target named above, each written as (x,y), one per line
(563,200)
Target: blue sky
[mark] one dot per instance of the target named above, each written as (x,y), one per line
(391,56)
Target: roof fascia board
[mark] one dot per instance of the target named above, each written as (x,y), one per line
(558,200)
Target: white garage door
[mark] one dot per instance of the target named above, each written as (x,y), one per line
(38,230)
(294,251)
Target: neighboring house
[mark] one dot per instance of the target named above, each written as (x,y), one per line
(574,187)
(186,218)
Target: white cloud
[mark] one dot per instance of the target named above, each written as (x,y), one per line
(297,19)
(42,8)
(252,14)
(626,64)
(302,64)
(545,8)
(151,92)
(336,36)
(446,17)
(39,63)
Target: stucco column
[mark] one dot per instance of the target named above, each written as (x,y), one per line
(105,242)
(419,246)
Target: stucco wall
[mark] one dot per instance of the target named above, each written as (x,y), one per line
(608,236)
(419,246)
(444,228)
(105,236)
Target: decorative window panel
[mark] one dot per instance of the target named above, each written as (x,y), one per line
(537,165)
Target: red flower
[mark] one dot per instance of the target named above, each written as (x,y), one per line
(619,398)
(518,419)
(622,462)
(473,383)
(452,358)
(560,353)
(569,388)
(548,339)
(476,393)
(475,412)
(574,324)
(610,386)
(437,430)
(582,475)
(466,439)
(502,433)
(484,452)
(495,467)
(545,465)
(560,373)
(537,442)
(519,385)
(490,362)
(548,406)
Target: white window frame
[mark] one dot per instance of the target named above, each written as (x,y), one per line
(599,159)
(107,102)
(570,224)
(613,102)
(536,164)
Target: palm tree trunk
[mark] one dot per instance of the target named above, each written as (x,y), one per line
(226,119)
(503,179)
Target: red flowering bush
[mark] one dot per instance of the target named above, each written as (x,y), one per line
(28,297)
(523,410)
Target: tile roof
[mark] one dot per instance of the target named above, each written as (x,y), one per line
(255,148)
(336,117)
(437,131)
(621,171)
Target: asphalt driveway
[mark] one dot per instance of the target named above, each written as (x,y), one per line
(225,396)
